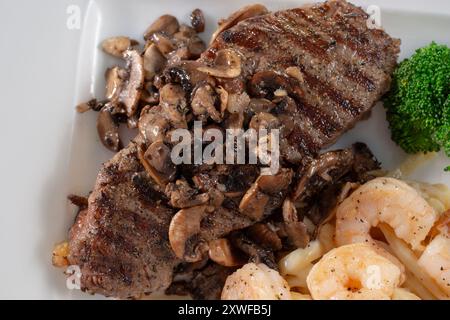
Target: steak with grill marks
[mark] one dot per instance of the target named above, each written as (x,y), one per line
(344,67)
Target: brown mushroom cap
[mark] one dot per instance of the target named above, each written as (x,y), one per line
(166,24)
(252,10)
(198,20)
(154,62)
(158,156)
(116,46)
(132,88)
(222,252)
(152,126)
(227,64)
(174,106)
(108,129)
(185,225)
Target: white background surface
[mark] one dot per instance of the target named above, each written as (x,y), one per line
(38,64)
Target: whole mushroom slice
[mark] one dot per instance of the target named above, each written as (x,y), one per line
(116,46)
(249,11)
(166,24)
(131,92)
(296,230)
(108,129)
(227,64)
(184,226)
(154,62)
(222,252)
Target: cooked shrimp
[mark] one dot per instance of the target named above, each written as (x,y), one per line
(435,260)
(256,282)
(384,200)
(354,272)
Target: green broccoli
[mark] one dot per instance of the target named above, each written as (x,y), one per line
(418,104)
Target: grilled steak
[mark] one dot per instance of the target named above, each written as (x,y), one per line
(324,56)
(120,241)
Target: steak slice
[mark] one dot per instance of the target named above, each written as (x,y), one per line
(120,242)
(324,56)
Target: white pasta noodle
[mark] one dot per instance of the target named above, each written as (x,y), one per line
(404,294)
(299,259)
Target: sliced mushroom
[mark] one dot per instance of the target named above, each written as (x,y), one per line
(222,252)
(253,203)
(132,88)
(163,42)
(260,105)
(186,74)
(166,24)
(198,20)
(116,46)
(86,106)
(159,178)
(152,126)
(273,184)
(266,194)
(154,62)
(108,129)
(237,102)
(223,97)
(264,236)
(242,14)
(184,226)
(182,195)
(321,166)
(264,120)
(114,83)
(227,64)
(264,84)
(296,230)
(256,253)
(174,106)
(158,156)
(196,47)
(204,102)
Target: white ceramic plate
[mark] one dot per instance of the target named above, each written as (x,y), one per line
(414,22)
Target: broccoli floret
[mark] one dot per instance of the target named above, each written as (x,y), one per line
(418,104)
